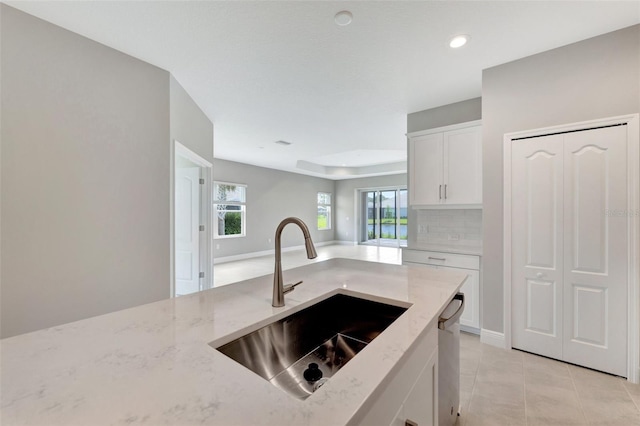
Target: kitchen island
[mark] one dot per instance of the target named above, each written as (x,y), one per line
(153,364)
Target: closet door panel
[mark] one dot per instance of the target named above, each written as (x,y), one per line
(595,249)
(536,196)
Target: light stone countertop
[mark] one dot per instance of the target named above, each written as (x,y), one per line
(153,365)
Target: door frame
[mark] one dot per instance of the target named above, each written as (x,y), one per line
(207,168)
(633,218)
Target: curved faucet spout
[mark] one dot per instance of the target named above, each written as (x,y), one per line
(279,290)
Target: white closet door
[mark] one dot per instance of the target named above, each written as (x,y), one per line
(595,249)
(537,192)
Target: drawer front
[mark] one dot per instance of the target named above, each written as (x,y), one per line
(435,258)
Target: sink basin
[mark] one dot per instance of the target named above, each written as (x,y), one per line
(300,352)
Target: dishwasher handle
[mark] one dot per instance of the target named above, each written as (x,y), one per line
(446,322)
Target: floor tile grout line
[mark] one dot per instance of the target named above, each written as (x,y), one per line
(473,387)
(630,396)
(475,381)
(575,389)
(524,389)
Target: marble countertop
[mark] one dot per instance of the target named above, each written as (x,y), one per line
(471,250)
(153,365)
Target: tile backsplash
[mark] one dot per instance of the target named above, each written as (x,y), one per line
(450,227)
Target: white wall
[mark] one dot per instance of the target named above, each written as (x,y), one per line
(272,195)
(346,219)
(595,78)
(85,177)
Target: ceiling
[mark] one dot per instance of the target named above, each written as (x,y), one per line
(268,71)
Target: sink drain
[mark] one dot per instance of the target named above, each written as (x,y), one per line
(319,383)
(312,373)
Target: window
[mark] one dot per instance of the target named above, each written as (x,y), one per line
(324,210)
(229,204)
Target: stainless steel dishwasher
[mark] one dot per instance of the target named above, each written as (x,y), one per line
(449,361)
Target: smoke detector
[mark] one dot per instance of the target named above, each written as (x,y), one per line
(343,18)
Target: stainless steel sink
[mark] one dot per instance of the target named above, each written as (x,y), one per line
(300,352)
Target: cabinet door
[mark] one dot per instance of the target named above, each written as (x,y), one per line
(425,177)
(421,406)
(471,289)
(462,174)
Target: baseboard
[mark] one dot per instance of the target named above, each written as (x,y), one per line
(635,376)
(244,256)
(344,243)
(492,338)
(471,330)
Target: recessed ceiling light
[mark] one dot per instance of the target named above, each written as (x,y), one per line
(284,143)
(459,41)
(343,18)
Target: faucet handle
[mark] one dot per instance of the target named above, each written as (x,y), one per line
(290,287)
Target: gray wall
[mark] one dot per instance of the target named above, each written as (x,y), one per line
(459,112)
(446,115)
(272,195)
(346,216)
(85,176)
(595,78)
(188,124)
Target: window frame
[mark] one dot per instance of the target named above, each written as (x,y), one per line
(242,211)
(329,208)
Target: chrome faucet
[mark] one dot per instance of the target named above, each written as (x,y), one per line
(279,290)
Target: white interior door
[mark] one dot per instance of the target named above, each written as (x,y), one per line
(187,224)
(537,193)
(595,249)
(570,248)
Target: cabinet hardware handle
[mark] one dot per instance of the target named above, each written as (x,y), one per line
(409,422)
(445,191)
(444,323)
(437,258)
(440,192)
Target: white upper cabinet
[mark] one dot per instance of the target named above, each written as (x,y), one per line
(425,156)
(446,168)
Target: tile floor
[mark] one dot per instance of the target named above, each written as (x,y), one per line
(498,387)
(509,387)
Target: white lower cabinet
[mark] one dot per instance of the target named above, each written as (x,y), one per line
(410,397)
(421,406)
(469,264)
